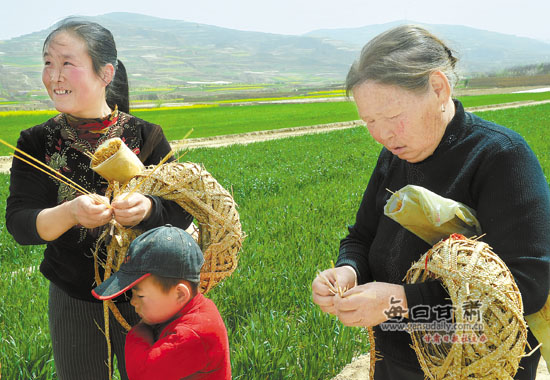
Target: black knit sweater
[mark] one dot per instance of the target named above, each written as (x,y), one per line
(68,260)
(488,168)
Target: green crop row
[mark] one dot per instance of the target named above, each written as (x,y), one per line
(283,98)
(483,100)
(214,121)
(295,198)
(206,122)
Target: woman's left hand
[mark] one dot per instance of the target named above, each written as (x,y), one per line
(132,210)
(370,304)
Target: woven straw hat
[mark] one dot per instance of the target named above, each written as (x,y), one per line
(473,275)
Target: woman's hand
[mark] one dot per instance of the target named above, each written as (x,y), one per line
(371,304)
(90,212)
(132,210)
(324,284)
(84,210)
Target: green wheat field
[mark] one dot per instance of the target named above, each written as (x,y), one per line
(296,196)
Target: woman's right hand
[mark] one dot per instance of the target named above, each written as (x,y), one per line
(323,294)
(53,222)
(90,212)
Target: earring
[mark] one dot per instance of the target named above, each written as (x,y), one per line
(442,108)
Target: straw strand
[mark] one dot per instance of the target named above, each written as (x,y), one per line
(168,155)
(55,175)
(65,181)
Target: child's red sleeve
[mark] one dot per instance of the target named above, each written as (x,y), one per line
(172,357)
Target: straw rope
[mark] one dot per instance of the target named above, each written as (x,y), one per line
(373,354)
(471,272)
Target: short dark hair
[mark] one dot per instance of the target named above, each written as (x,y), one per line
(102,50)
(167,283)
(404,56)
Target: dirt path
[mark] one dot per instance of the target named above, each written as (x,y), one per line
(247,138)
(358,369)
(251,137)
(242,138)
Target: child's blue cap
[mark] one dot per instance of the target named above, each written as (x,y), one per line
(165,251)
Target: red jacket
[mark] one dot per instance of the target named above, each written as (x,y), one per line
(193,346)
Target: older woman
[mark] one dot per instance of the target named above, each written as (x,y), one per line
(402,86)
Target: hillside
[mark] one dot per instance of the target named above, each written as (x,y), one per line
(179,57)
(160,52)
(480,51)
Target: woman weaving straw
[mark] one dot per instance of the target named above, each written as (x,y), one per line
(89,87)
(402,86)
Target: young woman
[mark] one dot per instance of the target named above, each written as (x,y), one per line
(89,87)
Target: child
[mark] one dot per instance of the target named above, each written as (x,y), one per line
(181,333)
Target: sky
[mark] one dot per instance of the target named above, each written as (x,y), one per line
(528,18)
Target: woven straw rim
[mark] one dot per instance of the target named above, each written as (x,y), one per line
(197,192)
(470,270)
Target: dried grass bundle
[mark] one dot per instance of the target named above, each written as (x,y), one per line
(106,150)
(471,272)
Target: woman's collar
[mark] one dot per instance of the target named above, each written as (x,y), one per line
(98,123)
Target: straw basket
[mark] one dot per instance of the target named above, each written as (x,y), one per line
(473,275)
(198,193)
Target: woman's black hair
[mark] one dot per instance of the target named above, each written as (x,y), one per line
(102,50)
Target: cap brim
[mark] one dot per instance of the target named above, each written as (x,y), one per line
(117,284)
